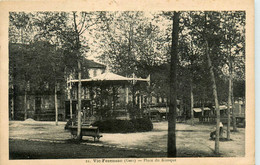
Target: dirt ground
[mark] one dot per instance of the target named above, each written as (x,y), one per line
(192,141)
(24,149)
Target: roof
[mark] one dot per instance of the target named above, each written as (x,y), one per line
(92,64)
(109,76)
(200,109)
(197,109)
(112,77)
(206,109)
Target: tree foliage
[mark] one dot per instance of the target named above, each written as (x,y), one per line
(133,42)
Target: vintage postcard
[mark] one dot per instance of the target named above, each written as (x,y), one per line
(127,82)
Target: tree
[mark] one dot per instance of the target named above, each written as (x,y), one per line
(65,31)
(131,42)
(86,20)
(53,37)
(20,72)
(205,26)
(171,146)
(208,34)
(52,62)
(215,28)
(20,22)
(192,63)
(20,28)
(135,42)
(214,88)
(48,26)
(232,48)
(236,41)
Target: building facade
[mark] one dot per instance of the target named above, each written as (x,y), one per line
(40,105)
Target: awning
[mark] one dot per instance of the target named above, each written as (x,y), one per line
(200,109)
(206,109)
(223,107)
(197,109)
(159,109)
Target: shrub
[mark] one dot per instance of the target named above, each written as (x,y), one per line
(144,124)
(124,126)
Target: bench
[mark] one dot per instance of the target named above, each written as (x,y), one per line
(85,131)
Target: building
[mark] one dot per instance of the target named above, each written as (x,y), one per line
(40,104)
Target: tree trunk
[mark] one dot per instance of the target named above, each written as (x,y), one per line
(56,104)
(171,146)
(126,100)
(114,102)
(229,94)
(79,74)
(14,93)
(12,109)
(229,104)
(12,101)
(133,96)
(149,103)
(181,109)
(79,102)
(191,103)
(70,98)
(126,95)
(203,101)
(233,109)
(214,88)
(25,103)
(133,102)
(166,113)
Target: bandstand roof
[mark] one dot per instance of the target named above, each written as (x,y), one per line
(109,77)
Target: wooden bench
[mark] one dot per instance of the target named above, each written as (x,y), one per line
(85,131)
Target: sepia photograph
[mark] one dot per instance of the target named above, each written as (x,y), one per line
(128,86)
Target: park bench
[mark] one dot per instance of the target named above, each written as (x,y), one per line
(85,131)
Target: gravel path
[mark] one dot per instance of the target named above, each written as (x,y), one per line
(191,140)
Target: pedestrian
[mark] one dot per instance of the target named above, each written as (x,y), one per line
(220,129)
(213,133)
